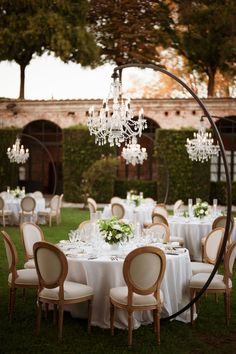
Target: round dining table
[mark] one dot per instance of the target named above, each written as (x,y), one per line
(192,230)
(103,271)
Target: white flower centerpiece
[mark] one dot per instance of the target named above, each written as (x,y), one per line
(115,231)
(18,193)
(135,198)
(200,209)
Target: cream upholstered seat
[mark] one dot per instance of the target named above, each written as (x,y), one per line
(17,278)
(161,209)
(52,212)
(177,206)
(30,233)
(86,229)
(52,268)
(219,284)
(211,250)
(27,212)
(220,221)
(143,271)
(160,231)
(118,210)
(4,212)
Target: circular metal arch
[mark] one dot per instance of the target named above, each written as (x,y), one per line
(117,73)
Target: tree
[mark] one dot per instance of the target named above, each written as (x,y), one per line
(130,31)
(205,33)
(33,27)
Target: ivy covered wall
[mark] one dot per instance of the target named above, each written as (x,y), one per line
(187,179)
(8,170)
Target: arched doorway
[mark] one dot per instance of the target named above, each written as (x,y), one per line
(45,157)
(148,170)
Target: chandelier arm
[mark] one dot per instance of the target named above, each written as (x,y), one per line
(228,181)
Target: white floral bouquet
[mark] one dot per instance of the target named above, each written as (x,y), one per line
(17,193)
(115,231)
(200,209)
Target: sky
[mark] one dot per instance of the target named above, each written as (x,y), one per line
(48,77)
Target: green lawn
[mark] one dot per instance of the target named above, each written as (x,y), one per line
(208,335)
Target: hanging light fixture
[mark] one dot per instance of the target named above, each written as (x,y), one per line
(133,153)
(201,147)
(17,153)
(117,124)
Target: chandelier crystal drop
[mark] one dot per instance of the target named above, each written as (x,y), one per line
(201,147)
(133,153)
(18,153)
(115,124)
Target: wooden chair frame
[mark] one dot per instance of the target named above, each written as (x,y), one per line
(119,206)
(27,211)
(206,257)
(160,218)
(228,272)
(92,205)
(3,212)
(165,227)
(13,270)
(59,282)
(28,256)
(133,288)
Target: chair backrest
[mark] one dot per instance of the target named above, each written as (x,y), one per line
(220,221)
(118,210)
(161,231)
(149,200)
(178,204)
(37,195)
(28,204)
(12,257)
(143,271)
(213,244)
(156,217)
(86,229)
(54,203)
(116,200)
(229,260)
(60,200)
(2,203)
(51,266)
(92,205)
(160,209)
(30,233)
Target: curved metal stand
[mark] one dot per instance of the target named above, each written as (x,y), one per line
(228,181)
(49,155)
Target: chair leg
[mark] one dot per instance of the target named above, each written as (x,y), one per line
(227,308)
(130,327)
(39,316)
(192,295)
(60,320)
(54,314)
(154,320)
(12,302)
(112,314)
(89,315)
(158,331)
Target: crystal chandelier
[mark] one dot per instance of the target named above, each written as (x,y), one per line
(201,147)
(117,124)
(17,153)
(133,153)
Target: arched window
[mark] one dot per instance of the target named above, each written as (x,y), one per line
(148,170)
(227,129)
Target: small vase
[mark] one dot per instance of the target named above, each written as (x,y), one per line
(114,246)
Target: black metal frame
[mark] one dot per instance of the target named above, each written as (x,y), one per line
(117,73)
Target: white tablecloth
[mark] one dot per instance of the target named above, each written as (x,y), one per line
(13,204)
(141,213)
(192,231)
(103,273)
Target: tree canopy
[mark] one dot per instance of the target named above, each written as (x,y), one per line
(130,31)
(205,33)
(33,27)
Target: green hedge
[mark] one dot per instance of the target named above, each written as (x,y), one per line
(8,171)
(149,188)
(219,191)
(187,179)
(79,153)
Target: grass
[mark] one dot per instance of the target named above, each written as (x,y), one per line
(208,335)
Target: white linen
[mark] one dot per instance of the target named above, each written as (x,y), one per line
(192,230)
(141,213)
(103,273)
(13,204)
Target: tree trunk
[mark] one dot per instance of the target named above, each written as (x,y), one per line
(22,81)
(211,82)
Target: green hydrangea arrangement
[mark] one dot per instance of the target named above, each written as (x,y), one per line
(115,231)
(200,209)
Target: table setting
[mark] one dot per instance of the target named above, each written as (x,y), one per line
(98,264)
